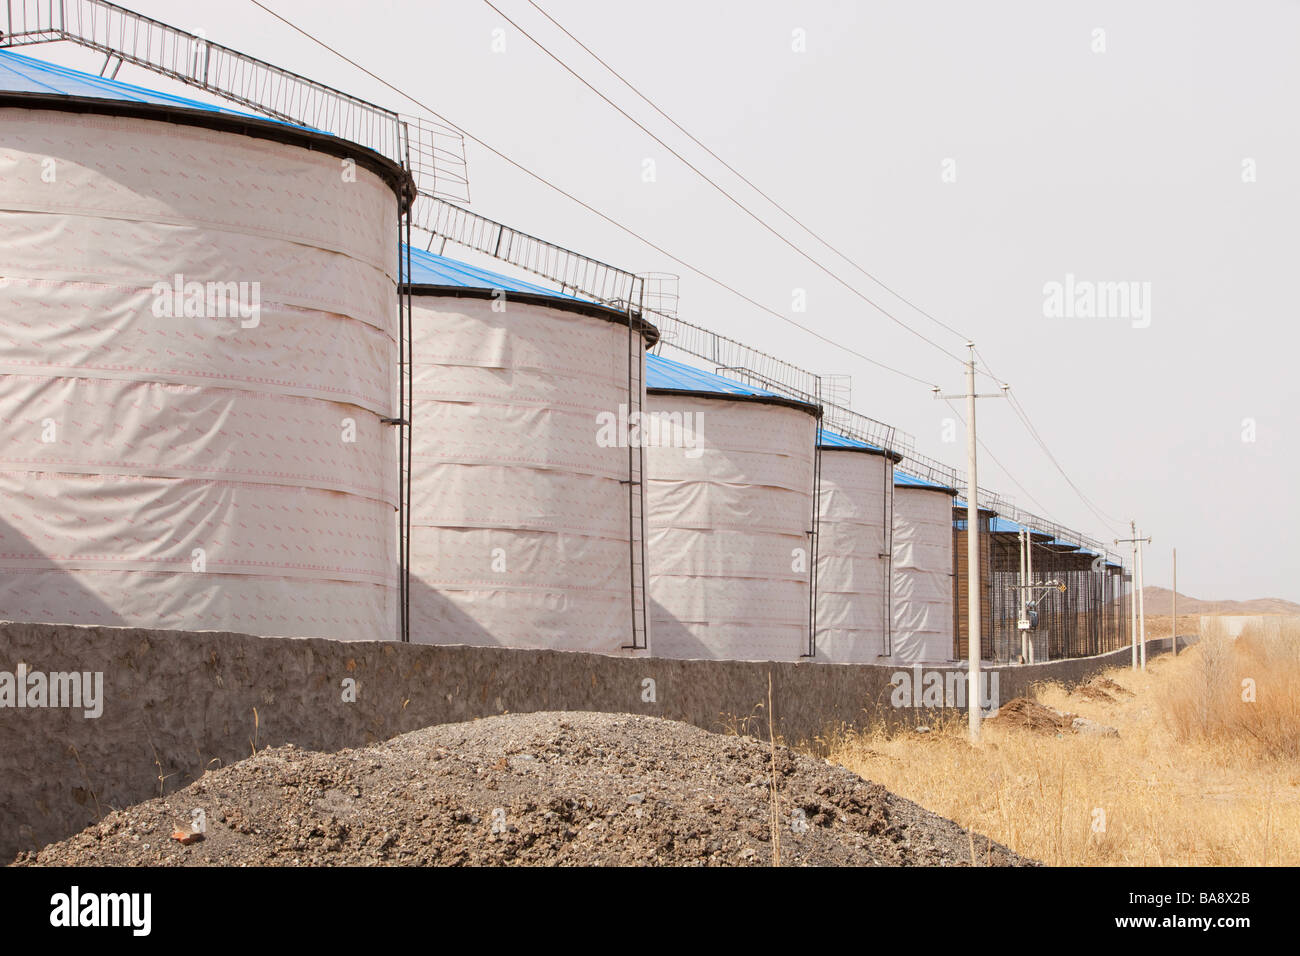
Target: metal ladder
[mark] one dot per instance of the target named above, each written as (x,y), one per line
(635,477)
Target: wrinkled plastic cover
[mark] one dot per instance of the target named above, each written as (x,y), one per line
(520,515)
(724,529)
(853,557)
(193,472)
(922,578)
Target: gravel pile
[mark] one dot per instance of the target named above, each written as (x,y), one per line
(531,789)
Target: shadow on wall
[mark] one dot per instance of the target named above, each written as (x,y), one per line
(436,619)
(673,639)
(33,587)
(543,619)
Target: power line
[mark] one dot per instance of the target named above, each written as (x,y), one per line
(1005,470)
(736,202)
(1017,408)
(741,176)
(550,185)
(1023,415)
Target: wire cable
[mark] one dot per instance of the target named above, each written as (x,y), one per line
(734,201)
(694,269)
(587,206)
(744,179)
(1017,408)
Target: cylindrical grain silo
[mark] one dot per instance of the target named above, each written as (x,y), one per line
(853,551)
(729,511)
(521,517)
(923,569)
(198,335)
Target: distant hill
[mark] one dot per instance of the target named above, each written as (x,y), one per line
(1160,601)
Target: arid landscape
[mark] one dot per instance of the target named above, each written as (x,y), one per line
(1205,769)
(1194,761)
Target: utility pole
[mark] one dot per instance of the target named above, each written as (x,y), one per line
(1135,597)
(972,545)
(1029,565)
(1022,621)
(1142,606)
(1173,624)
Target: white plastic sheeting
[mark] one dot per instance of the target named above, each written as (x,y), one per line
(853,567)
(520,520)
(922,579)
(728,508)
(203,470)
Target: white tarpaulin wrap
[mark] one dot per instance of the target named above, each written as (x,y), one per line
(922,575)
(853,557)
(727,516)
(166,459)
(519,513)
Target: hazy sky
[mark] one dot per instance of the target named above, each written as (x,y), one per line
(966,154)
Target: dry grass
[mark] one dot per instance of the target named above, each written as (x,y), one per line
(1196,777)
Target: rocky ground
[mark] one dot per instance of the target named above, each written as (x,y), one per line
(541,789)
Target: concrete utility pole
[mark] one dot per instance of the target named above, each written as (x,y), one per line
(1135,598)
(972,545)
(1023,620)
(1142,606)
(1173,623)
(1029,565)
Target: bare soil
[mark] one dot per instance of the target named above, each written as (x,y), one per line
(1030,715)
(540,789)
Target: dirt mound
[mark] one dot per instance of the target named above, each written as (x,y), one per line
(1102,689)
(1030,715)
(1093,692)
(1107,685)
(531,789)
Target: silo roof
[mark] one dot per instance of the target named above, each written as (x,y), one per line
(834,441)
(666,375)
(904,480)
(829,439)
(432,274)
(37,84)
(428,268)
(999,525)
(23,74)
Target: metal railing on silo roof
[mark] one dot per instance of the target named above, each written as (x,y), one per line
(754,367)
(432,152)
(572,271)
(722,352)
(835,418)
(930,469)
